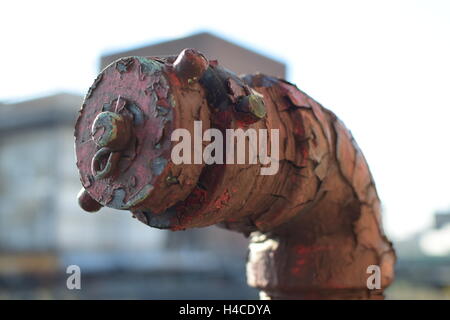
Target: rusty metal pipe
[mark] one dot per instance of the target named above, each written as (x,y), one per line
(315,226)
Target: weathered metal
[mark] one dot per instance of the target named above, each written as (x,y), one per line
(314,227)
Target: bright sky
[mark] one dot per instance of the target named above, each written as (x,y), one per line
(381,66)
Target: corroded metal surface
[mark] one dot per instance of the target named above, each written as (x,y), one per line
(123,137)
(314,227)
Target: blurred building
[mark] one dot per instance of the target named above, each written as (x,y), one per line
(42,229)
(423,266)
(441,219)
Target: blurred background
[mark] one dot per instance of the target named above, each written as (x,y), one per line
(382,66)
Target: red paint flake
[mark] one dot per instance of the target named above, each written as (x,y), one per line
(163,103)
(299,130)
(304,251)
(173,79)
(197,197)
(296,97)
(240,124)
(308,250)
(177,228)
(298,264)
(295,270)
(222,200)
(245,121)
(299,134)
(304,151)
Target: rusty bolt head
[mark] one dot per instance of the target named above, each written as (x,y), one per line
(86,202)
(111,130)
(190,65)
(251,107)
(256,105)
